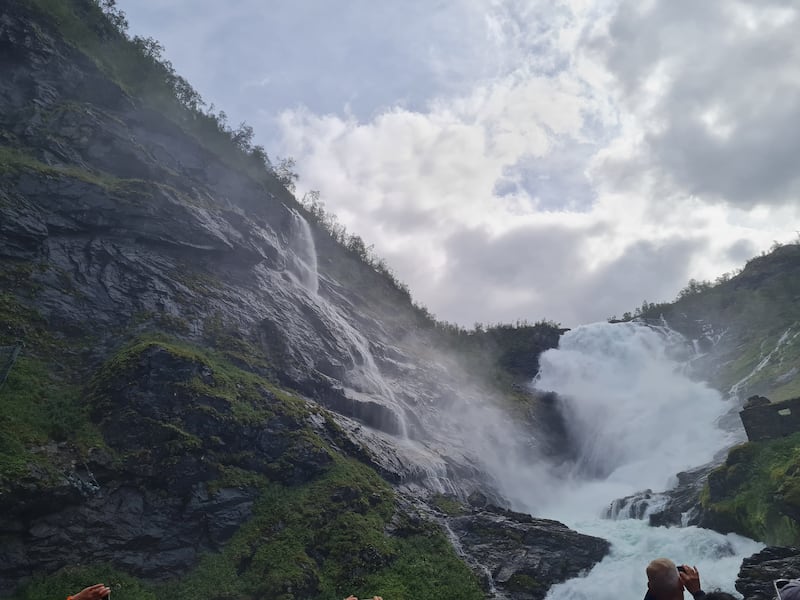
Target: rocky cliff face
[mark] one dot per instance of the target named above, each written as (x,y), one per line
(760,570)
(197,402)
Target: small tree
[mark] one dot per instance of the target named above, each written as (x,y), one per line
(286,174)
(242,136)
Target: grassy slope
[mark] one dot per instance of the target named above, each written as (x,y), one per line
(41,398)
(756,492)
(322,539)
(757,307)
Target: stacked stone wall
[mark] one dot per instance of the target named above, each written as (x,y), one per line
(770,420)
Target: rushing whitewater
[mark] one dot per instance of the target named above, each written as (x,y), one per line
(632,415)
(635,419)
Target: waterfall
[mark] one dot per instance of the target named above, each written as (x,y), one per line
(635,419)
(302,252)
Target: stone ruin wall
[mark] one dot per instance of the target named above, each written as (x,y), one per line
(765,420)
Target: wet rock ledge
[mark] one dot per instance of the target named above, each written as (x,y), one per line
(521,556)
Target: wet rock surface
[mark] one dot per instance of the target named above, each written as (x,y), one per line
(522,556)
(760,570)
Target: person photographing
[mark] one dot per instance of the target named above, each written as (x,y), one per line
(667,581)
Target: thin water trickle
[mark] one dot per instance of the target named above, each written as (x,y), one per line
(303,252)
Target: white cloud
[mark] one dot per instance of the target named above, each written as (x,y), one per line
(714,90)
(518,159)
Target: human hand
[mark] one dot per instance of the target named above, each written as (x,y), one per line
(94,592)
(351,597)
(690,579)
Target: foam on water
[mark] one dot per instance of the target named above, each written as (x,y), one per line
(620,576)
(636,420)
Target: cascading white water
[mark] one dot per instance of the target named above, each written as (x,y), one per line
(303,253)
(632,413)
(636,420)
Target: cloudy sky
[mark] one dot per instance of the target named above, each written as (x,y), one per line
(519,159)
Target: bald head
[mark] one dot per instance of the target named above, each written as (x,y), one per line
(663,580)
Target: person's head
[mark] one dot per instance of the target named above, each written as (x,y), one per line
(663,580)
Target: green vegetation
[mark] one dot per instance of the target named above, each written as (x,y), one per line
(99,29)
(39,403)
(757,491)
(326,539)
(122,190)
(322,538)
(448,505)
(71,580)
(242,389)
(755,306)
(13,160)
(322,535)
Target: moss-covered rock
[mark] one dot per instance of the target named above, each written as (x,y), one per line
(757,492)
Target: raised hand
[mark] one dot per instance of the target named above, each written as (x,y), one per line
(94,592)
(690,579)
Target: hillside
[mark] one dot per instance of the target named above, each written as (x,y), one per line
(746,329)
(747,326)
(215,397)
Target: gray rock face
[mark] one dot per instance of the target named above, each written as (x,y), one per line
(127,224)
(522,555)
(133,527)
(760,570)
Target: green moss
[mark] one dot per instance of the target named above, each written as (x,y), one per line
(39,407)
(235,477)
(122,190)
(14,160)
(40,402)
(326,540)
(229,341)
(71,580)
(448,505)
(172,323)
(757,491)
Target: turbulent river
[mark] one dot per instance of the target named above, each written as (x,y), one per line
(636,419)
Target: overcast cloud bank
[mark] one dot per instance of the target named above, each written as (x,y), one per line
(511,159)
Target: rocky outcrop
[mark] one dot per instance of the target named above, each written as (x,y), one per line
(521,556)
(760,570)
(678,506)
(158,496)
